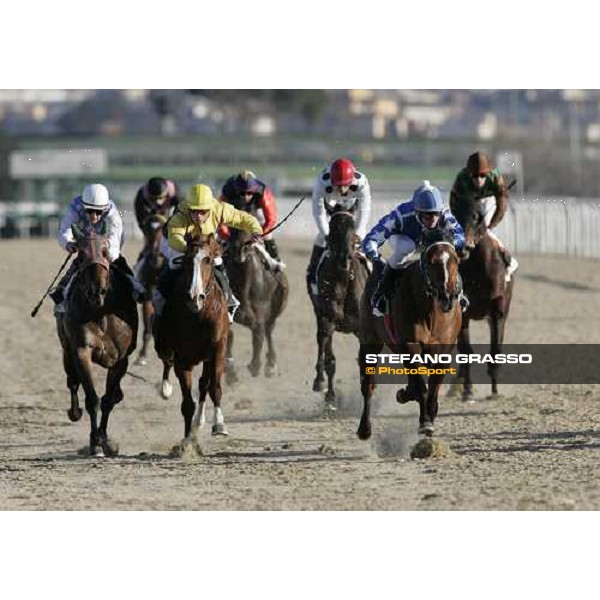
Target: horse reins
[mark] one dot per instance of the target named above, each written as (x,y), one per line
(430,290)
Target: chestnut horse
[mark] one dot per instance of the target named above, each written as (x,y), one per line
(193,328)
(341,279)
(489,294)
(262,294)
(424,318)
(147,270)
(99,326)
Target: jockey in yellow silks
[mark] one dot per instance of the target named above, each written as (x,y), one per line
(201,214)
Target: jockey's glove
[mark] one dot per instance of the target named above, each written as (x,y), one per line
(71,247)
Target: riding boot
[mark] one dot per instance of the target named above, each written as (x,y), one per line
(311,271)
(222,279)
(58,293)
(385,286)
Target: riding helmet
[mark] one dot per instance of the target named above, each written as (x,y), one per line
(342,172)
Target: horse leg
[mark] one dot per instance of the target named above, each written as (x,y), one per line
(113,395)
(431,404)
(367,387)
(84,367)
(217,367)
(497,323)
(75,413)
(199,416)
(148,316)
(271,366)
(464,347)
(187,403)
(230,374)
(330,367)
(321,333)
(258,338)
(166,389)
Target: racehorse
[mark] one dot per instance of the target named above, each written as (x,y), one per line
(424,318)
(193,328)
(341,278)
(489,294)
(99,326)
(263,296)
(147,270)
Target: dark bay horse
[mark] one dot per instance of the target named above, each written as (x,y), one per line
(147,270)
(341,279)
(99,326)
(489,294)
(194,328)
(424,318)
(263,295)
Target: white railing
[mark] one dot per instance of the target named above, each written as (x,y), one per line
(563,226)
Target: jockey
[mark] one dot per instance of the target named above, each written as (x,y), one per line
(93,210)
(157,196)
(479,182)
(426,210)
(202,214)
(339,184)
(245,192)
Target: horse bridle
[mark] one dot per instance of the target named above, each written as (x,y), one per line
(430,290)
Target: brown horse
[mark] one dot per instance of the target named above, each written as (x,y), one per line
(424,318)
(263,296)
(147,270)
(193,328)
(341,280)
(488,292)
(99,326)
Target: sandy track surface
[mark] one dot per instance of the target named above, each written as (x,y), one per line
(536,448)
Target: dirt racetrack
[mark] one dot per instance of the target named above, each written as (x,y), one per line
(537,448)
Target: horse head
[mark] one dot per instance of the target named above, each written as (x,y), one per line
(342,239)
(240,246)
(197,266)
(93,264)
(471,219)
(154,259)
(439,265)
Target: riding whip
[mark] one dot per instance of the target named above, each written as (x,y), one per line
(285,218)
(37,308)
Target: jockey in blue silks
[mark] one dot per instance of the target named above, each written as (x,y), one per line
(403,226)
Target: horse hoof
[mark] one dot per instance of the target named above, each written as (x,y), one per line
(402,396)
(96,452)
(495,396)
(219,429)
(426,429)
(110,448)
(166,390)
(141,361)
(74,414)
(318,385)
(364,432)
(454,390)
(271,371)
(231,377)
(254,371)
